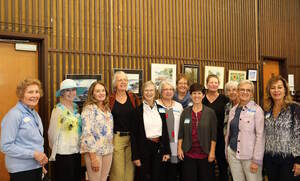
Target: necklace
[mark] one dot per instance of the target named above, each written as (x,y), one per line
(166,105)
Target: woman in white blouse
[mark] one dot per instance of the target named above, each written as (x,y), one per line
(152,140)
(97,133)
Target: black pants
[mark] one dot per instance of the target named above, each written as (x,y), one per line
(32,175)
(169,171)
(151,162)
(278,168)
(68,167)
(221,162)
(197,169)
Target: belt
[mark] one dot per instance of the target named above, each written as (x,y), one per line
(122,133)
(155,140)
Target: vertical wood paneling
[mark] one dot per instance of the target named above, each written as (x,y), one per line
(92,36)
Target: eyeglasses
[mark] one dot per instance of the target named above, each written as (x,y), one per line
(167,89)
(245,90)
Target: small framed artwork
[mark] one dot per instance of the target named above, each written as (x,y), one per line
(218,71)
(83,81)
(161,72)
(236,75)
(252,75)
(135,80)
(192,72)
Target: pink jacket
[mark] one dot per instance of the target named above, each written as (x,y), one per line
(251,138)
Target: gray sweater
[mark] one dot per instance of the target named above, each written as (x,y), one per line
(207,129)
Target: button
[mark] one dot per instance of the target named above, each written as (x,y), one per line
(238,151)
(240,118)
(243,110)
(238,140)
(248,121)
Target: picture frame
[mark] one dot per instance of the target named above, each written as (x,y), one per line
(84,81)
(237,75)
(192,72)
(135,79)
(252,75)
(218,71)
(162,72)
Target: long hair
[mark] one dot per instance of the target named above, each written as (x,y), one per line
(91,99)
(287,100)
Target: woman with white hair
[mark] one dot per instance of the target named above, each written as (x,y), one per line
(245,141)
(173,110)
(123,106)
(231,93)
(64,134)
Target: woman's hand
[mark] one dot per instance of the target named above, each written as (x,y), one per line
(40,157)
(180,153)
(166,158)
(211,156)
(44,171)
(95,164)
(296,169)
(137,163)
(253,167)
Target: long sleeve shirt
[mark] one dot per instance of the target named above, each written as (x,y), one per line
(21,136)
(64,131)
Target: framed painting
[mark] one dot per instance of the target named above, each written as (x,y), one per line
(135,80)
(218,71)
(161,72)
(236,75)
(83,81)
(192,72)
(252,75)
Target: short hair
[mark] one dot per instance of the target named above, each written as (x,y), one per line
(243,82)
(147,84)
(21,87)
(91,99)
(197,87)
(182,76)
(162,84)
(269,102)
(231,84)
(118,73)
(212,76)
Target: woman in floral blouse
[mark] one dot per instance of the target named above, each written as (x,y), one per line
(64,134)
(97,133)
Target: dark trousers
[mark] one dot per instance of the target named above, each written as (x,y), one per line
(221,162)
(32,175)
(278,168)
(68,167)
(169,171)
(151,162)
(197,169)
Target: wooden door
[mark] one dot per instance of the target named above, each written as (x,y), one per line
(14,66)
(270,68)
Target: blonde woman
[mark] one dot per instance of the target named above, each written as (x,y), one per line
(97,133)
(282,129)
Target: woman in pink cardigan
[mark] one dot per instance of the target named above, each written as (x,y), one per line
(245,136)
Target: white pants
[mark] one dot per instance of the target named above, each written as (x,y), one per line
(104,167)
(240,169)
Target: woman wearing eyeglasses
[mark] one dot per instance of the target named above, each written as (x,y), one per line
(245,139)
(64,134)
(172,110)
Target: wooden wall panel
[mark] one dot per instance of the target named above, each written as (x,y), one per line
(95,36)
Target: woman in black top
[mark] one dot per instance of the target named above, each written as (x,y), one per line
(123,108)
(152,139)
(217,102)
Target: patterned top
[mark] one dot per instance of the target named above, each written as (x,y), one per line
(97,131)
(64,131)
(283,133)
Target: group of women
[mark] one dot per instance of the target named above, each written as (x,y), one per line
(184,130)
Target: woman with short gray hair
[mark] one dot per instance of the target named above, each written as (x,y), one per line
(231,92)
(173,110)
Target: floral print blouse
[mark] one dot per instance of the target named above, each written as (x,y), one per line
(64,131)
(97,131)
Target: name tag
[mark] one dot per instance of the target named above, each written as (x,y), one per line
(161,110)
(187,121)
(27,119)
(177,111)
